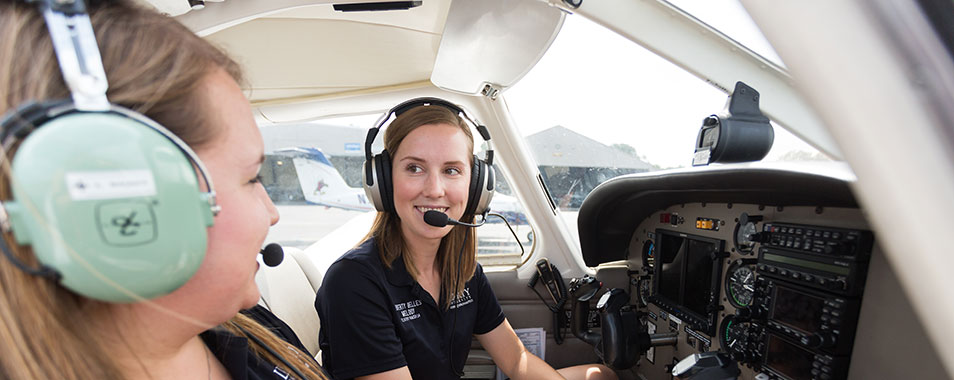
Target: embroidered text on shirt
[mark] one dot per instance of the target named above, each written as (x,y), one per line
(463,299)
(408,310)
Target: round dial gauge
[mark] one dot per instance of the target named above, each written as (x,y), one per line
(743,237)
(734,338)
(740,283)
(649,255)
(733,334)
(645,289)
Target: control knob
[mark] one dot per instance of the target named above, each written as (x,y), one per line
(742,356)
(818,340)
(748,314)
(840,248)
(743,314)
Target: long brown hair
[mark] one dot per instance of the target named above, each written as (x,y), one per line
(155,66)
(387,227)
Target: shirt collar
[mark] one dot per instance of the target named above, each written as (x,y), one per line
(398,274)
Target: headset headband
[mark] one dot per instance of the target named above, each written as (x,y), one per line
(76,51)
(400,109)
(74,43)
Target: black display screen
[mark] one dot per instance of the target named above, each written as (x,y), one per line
(788,359)
(699,276)
(797,309)
(670,259)
(685,270)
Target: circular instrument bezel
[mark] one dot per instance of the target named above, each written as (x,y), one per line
(727,323)
(735,266)
(649,256)
(742,245)
(644,296)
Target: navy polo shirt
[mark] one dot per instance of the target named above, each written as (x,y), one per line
(238,358)
(375,319)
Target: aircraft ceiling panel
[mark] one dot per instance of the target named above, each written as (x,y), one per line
(296,58)
(429,17)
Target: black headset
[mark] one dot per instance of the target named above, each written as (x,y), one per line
(377,167)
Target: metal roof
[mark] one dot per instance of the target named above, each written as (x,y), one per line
(559,146)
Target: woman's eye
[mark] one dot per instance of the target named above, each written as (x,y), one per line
(257,179)
(414,169)
(453,171)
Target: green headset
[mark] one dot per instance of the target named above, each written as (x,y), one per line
(109,200)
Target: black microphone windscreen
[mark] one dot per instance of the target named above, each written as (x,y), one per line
(435,218)
(273,254)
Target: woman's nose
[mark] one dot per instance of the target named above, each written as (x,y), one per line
(434,187)
(270,207)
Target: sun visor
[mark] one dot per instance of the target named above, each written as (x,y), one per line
(493,42)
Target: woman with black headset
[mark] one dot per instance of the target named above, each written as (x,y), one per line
(122,260)
(407,301)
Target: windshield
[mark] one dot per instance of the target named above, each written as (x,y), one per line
(597,106)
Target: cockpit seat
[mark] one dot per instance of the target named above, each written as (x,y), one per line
(288,290)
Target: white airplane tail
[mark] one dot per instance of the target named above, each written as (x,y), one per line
(322,184)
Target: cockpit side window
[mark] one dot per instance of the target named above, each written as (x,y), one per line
(313,174)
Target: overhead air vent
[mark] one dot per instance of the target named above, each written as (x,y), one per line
(378,6)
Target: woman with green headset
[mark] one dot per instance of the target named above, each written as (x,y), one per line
(75,301)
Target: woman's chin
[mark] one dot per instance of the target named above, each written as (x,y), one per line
(251,299)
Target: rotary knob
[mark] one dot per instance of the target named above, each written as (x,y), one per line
(818,340)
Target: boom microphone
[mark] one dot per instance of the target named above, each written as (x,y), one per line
(272,254)
(440,219)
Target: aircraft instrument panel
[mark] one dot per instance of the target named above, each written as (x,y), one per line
(779,289)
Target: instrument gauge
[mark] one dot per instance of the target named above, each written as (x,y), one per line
(740,283)
(734,336)
(645,289)
(745,233)
(649,255)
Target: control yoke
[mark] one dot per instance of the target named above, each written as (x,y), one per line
(622,339)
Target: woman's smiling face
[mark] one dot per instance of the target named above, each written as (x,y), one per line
(431,170)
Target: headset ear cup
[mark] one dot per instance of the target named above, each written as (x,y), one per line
(489,188)
(384,179)
(108,186)
(474,191)
(482,192)
(372,186)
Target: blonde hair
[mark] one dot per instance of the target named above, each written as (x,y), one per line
(154,66)
(387,227)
